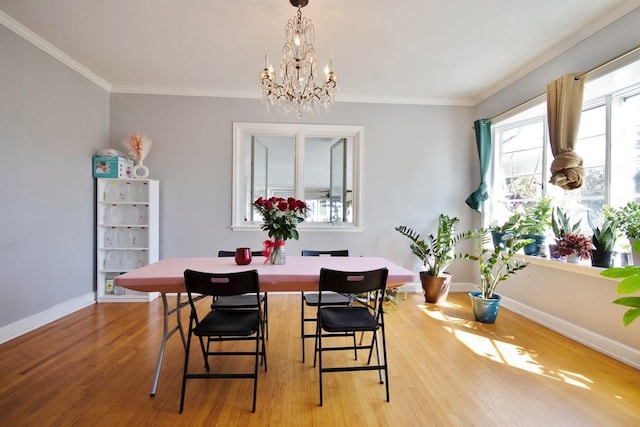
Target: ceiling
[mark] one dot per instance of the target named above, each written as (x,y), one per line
(455,52)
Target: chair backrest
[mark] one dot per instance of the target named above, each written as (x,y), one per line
(222,284)
(340,252)
(231,254)
(353,282)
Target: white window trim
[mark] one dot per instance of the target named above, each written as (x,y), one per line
(300,131)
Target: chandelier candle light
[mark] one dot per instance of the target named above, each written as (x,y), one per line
(298,91)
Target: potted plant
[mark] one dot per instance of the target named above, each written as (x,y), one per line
(536,219)
(561,225)
(505,234)
(436,253)
(574,246)
(603,240)
(495,266)
(628,220)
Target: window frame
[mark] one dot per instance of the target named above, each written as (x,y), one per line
(611,100)
(300,132)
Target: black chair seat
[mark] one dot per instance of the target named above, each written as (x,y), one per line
(237,301)
(343,319)
(329,298)
(244,301)
(228,323)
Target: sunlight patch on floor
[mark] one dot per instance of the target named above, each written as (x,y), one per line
(574,379)
(515,356)
(500,351)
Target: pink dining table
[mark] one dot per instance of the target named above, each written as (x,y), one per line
(297,274)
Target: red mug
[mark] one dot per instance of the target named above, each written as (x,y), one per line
(243,256)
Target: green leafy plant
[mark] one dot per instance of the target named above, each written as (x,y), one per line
(436,252)
(630,283)
(495,265)
(509,226)
(604,238)
(536,218)
(506,234)
(561,225)
(627,218)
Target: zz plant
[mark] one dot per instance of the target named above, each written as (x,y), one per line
(495,264)
(436,251)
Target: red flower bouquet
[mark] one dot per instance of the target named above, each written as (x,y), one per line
(280,216)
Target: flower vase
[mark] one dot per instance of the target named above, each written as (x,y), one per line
(277,256)
(140,170)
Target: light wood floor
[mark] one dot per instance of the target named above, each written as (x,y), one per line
(94,368)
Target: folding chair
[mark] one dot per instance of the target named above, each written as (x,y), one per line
(362,316)
(223,324)
(244,301)
(310,299)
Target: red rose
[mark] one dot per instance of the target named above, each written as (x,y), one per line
(268,205)
(282,205)
(260,202)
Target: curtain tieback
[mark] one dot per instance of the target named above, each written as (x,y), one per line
(567,171)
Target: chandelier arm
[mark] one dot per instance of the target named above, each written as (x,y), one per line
(298,91)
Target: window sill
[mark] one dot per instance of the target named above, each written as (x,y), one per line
(584,268)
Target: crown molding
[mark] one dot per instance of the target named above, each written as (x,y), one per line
(238,94)
(47,47)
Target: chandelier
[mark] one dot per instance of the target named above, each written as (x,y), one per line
(298,92)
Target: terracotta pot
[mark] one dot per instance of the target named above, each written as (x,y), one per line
(435,288)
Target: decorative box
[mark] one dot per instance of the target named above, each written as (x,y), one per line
(112,167)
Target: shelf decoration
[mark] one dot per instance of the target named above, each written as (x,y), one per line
(138,146)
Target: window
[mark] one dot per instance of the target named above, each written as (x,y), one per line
(319,164)
(608,142)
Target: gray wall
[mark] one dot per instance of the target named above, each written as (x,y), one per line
(583,301)
(419,161)
(52,121)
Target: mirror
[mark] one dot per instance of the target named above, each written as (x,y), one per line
(317,164)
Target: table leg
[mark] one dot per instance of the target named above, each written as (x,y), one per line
(166,334)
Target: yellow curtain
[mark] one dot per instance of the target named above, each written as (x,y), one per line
(564,107)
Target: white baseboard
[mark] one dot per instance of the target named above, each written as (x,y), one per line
(30,323)
(618,351)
